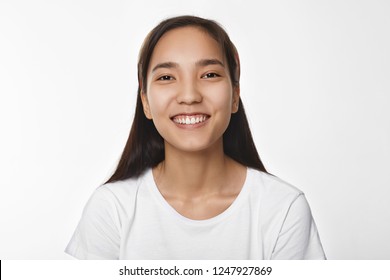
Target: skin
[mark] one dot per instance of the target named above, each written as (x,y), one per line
(188,74)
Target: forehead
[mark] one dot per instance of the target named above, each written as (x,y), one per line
(186,44)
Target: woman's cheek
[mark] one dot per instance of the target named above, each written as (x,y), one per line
(159,98)
(222,97)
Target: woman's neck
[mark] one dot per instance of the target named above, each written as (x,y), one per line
(189,174)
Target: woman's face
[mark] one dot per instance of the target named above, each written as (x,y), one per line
(189,93)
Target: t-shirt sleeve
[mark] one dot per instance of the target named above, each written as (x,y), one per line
(97,235)
(298,238)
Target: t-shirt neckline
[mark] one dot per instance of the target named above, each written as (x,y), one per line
(152,186)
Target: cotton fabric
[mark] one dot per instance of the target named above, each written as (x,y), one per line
(130,219)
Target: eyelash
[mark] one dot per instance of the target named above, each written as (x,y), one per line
(215,75)
(169,78)
(165,78)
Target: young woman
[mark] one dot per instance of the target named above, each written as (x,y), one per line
(190,183)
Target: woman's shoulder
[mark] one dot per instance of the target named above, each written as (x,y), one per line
(274,198)
(271,185)
(123,189)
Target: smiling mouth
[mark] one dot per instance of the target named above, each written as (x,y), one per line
(190,119)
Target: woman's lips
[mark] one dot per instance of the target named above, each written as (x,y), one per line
(190,119)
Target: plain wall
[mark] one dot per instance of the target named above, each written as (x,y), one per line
(315,84)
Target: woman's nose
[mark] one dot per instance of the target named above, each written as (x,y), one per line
(189,93)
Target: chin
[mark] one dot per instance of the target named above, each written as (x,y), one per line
(196,146)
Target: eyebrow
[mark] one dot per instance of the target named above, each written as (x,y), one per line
(165,65)
(207,62)
(202,63)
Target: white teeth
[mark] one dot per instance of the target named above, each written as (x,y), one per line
(189,119)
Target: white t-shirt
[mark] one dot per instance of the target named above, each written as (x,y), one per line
(130,219)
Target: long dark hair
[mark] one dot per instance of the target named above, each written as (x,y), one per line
(145,146)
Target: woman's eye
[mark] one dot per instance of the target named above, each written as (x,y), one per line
(211,75)
(165,78)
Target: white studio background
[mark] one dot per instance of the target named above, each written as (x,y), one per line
(315,83)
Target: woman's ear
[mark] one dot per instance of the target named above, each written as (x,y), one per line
(145,105)
(236,99)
